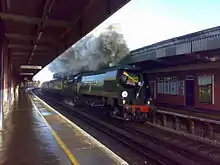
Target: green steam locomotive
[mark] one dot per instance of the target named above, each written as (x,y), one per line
(122,91)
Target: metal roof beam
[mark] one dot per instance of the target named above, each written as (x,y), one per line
(78,21)
(26,47)
(47,8)
(29,37)
(20,54)
(18,57)
(19,36)
(27,53)
(35,20)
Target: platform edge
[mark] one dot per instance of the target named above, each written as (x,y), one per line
(59,141)
(114,156)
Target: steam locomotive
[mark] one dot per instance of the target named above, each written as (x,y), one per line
(122,91)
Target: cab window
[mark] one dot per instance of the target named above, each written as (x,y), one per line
(129,79)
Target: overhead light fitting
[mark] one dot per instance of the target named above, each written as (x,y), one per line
(30,66)
(26,74)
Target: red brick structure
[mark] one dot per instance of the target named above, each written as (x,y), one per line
(191,88)
(184,71)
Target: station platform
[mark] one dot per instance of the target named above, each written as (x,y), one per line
(36,134)
(207,114)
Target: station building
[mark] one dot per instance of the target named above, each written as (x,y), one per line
(184,72)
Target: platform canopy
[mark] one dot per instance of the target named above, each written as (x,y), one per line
(199,47)
(37,31)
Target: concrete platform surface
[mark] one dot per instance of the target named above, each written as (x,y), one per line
(35,134)
(27,140)
(78,145)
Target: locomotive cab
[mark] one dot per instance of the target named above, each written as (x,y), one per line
(135,94)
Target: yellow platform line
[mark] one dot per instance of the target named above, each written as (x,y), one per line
(113,155)
(60,142)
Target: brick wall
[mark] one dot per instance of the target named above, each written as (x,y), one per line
(180,100)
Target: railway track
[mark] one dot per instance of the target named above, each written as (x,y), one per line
(157,149)
(195,150)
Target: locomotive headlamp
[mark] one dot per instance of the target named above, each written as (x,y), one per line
(148,103)
(124,94)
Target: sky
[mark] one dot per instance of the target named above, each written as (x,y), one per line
(144,22)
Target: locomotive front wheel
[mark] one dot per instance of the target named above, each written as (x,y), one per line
(144,117)
(125,116)
(114,112)
(138,115)
(74,102)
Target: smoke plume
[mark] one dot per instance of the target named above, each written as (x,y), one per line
(92,52)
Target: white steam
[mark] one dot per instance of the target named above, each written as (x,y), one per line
(92,52)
